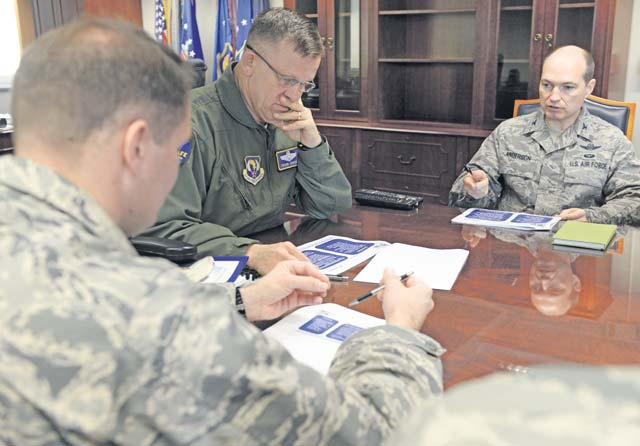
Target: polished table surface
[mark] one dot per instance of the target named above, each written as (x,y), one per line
(515,303)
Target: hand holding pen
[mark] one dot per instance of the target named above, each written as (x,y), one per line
(375,291)
(476,182)
(405,304)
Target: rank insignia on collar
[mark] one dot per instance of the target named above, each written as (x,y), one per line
(287,158)
(185,152)
(252,171)
(590,146)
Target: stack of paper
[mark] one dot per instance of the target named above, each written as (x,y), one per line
(438,268)
(334,255)
(313,334)
(585,235)
(507,220)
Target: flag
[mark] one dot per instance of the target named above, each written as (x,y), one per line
(224,50)
(235,18)
(247,12)
(190,47)
(160,30)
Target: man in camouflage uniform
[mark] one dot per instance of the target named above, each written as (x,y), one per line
(551,405)
(559,160)
(101,346)
(255,149)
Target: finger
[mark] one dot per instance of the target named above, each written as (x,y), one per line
(307,283)
(389,276)
(478,175)
(307,269)
(296,253)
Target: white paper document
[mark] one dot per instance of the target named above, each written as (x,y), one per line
(313,334)
(334,254)
(509,220)
(438,268)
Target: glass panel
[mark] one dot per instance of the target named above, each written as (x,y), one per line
(307,7)
(513,55)
(347,54)
(574,27)
(391,5)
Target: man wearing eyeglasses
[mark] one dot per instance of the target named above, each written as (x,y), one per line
(255,148)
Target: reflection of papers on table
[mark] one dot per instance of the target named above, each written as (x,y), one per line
(226,269)
(334,255)
(503,219)
(313,334)
(438,268)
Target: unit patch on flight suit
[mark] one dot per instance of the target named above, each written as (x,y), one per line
(185,152)
(252,171)
(287,158)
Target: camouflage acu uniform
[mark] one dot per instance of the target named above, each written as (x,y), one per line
(240,177)
(551,406)
(101,346)
(591,166)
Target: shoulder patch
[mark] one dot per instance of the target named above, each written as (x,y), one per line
(185,152)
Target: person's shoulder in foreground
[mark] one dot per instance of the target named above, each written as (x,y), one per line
(560,160)
(552,406)
(256,149)
(101,346)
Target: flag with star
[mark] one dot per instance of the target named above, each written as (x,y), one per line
(247,12)
(160,30)
(190,46)
(224,52)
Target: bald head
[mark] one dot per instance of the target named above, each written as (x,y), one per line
(572,55)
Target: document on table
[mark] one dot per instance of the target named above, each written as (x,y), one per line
(334,255)
(509,220)
(438,268)
(226,269)
(313,334)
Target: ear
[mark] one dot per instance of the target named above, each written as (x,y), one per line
(134,145)
(577,284)
(590,86)
(247,64)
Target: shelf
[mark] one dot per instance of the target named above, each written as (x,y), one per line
(577,5)
(426,11)
(312,16)
(517,8)
(515,60)
(424,60)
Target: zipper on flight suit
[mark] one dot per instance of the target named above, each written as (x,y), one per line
(245,202)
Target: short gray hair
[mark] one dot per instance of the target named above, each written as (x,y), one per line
(84,76)
(279,24)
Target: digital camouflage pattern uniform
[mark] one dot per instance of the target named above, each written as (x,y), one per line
(592,166)
(239,177)
(551,406)
(101,346)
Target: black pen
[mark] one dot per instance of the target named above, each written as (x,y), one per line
(337,278)
(375,291)
(468,169)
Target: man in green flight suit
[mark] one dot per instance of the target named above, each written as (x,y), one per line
(255,148)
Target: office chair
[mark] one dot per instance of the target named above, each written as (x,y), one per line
(199,69)
(620,114)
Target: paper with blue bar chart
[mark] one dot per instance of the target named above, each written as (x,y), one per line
(334,254)
(508,220)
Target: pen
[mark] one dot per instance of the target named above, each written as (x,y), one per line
(337,277)
(375,291)
(468,169)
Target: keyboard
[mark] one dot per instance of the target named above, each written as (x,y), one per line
(372,197)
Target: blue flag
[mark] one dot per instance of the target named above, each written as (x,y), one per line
(190,47)
(247,11)
(224,51)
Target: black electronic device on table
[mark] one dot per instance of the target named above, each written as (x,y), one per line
(372,197)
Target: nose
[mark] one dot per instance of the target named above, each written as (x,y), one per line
(294,93)
(555,94)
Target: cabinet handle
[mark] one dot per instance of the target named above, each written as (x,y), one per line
(537,37)
(330,43)
(406,162)
(549,39)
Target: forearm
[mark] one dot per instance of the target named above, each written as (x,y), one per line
(323,188)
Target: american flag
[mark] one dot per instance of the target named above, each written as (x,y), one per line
(161,23)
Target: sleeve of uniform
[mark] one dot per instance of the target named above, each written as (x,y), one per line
(622,189)
(220,381)
(322,188)
(486,158)
(181,215)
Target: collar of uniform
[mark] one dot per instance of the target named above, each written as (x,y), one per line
(46,185)
(232,100)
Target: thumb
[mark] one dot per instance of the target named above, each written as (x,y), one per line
(478,175)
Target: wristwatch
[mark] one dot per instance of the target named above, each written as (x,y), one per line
(304,148)
(240,303)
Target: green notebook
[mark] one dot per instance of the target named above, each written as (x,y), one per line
(585,235)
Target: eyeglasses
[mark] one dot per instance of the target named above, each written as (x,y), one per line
(285,81)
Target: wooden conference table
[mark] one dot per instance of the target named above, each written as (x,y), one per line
(498,316)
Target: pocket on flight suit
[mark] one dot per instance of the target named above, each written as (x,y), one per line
(584,180)
(237,205)
(519,177)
